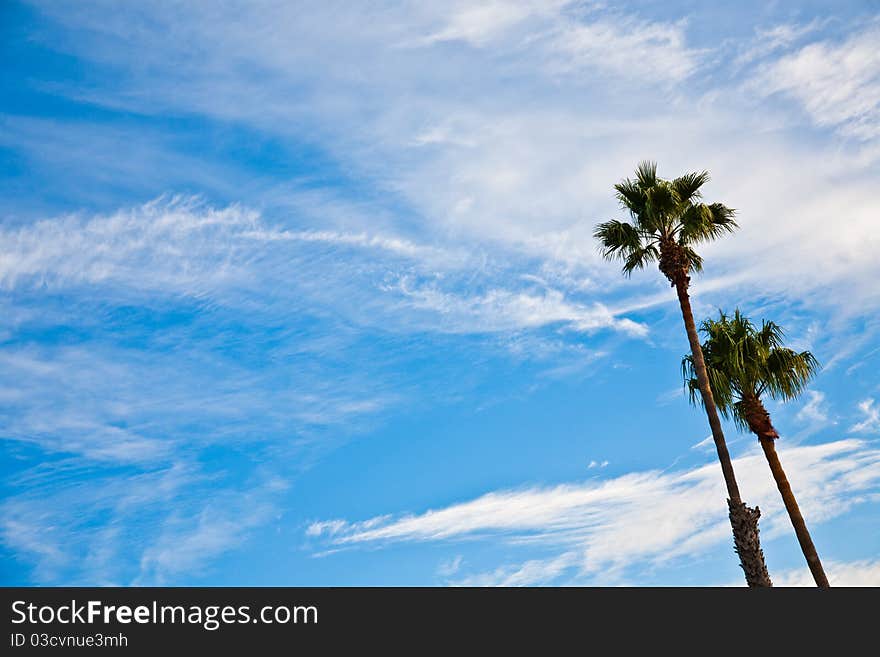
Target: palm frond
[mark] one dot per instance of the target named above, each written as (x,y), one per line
(631,196)
(703,223)
(722,390)
(789,372)
(661,198)
(744,360)
(689,376)
(617,239)
(646,174)
(639,258)
(771,334)
(687,187)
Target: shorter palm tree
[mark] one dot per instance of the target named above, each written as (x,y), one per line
(743,364)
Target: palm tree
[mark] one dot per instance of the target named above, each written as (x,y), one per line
(668,220)
(744,363)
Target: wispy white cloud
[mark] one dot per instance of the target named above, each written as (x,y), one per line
(865,572)
(186,545)
(815,409)
(770,40)
(531,573)
(171,243)
(164,524)
(181,245)
(500,309)
(53,527)
(705,444)
(625,46)
(112,405)
(480,24)
(567,37)
(837,82)
(394,245)
(670,396)
(450,567)
(638,518)
(871,421)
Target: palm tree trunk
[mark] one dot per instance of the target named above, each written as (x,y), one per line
(743,519)
(794,512)
(759,422)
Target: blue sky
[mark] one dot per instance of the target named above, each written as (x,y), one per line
(306,293)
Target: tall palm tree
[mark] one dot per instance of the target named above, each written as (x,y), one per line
(668,219)
(744,363)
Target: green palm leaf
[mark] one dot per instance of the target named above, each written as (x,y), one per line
(742,360)
(665,215)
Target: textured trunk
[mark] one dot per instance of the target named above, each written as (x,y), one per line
(759,422)
(743,520)
(747,543)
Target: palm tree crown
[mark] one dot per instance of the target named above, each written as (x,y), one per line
(744,362)
(668,220)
